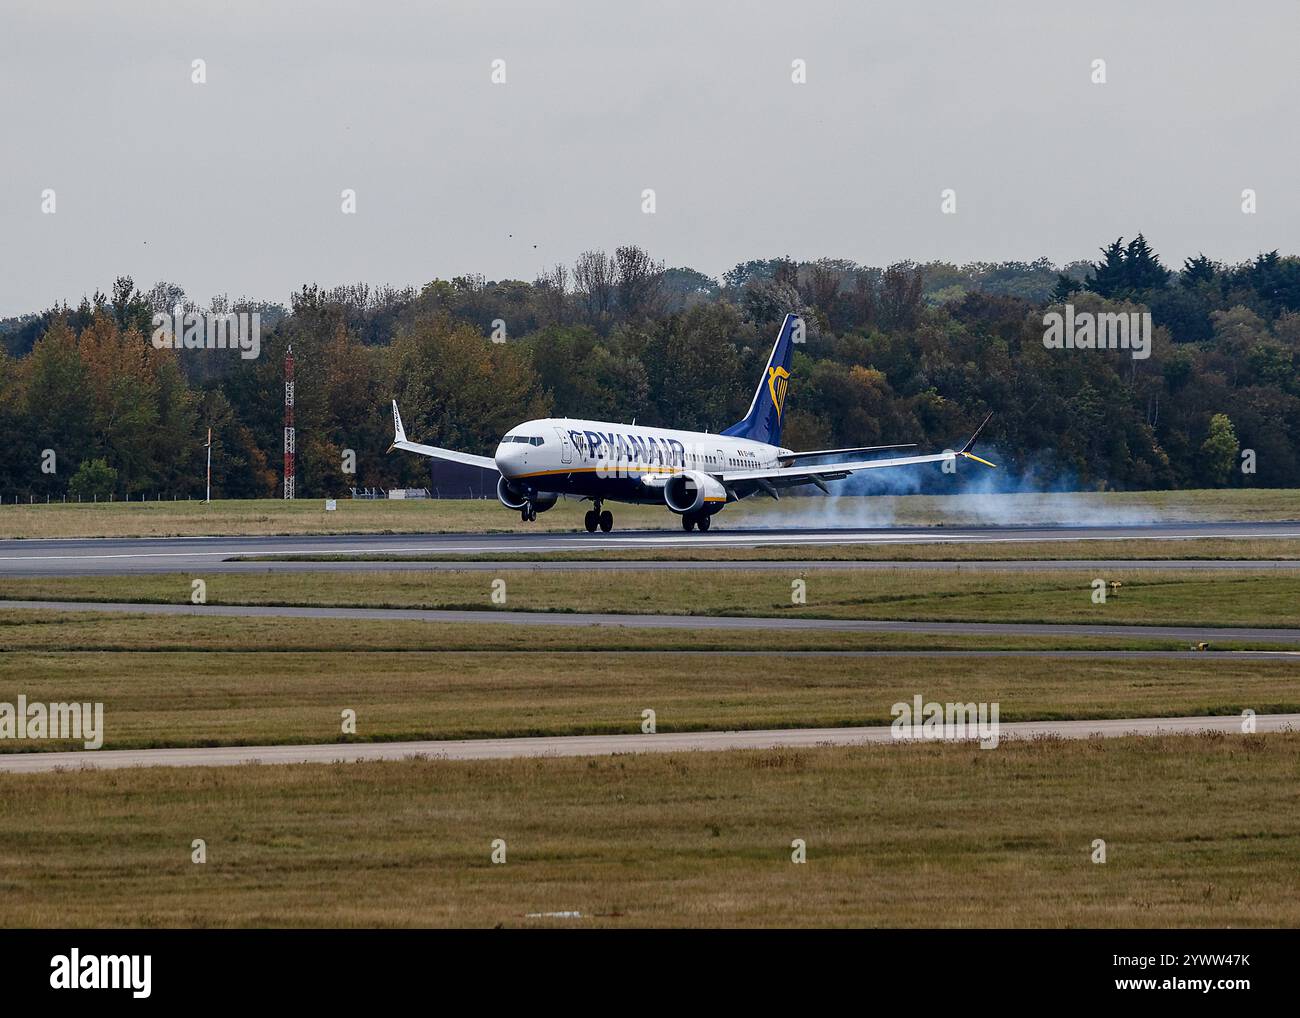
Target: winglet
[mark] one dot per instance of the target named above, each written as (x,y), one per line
(399,432)
(966,449)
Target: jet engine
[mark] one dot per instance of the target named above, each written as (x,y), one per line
(510,496)
(687,492)
(516,498)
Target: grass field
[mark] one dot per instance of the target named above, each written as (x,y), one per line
(906,835)
(1146,597)
(242,698)
(214,680)
(23,630)
(1199,831)
(308,516)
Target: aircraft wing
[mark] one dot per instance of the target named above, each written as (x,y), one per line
(818,474)
(845,452)
(400,442)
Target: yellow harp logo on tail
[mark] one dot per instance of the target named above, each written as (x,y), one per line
(778,383)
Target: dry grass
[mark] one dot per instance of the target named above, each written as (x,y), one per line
(1200,831)
(23,629)
(308,516)
(230,697)
(1147,597)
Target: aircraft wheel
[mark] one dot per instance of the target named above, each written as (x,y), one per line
(590,520)
(532,514)
(688,521)
(523,514)
(606,521)
(703,524)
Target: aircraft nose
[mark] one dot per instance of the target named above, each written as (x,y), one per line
(509,458)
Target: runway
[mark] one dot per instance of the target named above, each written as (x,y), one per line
(730,622)
(123,556)
(605,745)
(695,565)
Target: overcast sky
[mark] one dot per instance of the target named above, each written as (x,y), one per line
(233,186)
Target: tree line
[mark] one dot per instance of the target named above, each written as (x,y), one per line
(902,353)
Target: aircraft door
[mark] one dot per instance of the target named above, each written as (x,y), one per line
(566,448)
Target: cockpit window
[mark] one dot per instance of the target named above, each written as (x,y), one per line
(522,439)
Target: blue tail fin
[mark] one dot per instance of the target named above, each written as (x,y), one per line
(763,422)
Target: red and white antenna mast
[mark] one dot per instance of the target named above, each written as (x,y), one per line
(289,477)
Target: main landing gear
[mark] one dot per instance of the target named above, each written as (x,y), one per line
(597,518)
(700,520)
(528,514)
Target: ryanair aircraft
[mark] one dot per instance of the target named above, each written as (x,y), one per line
(693,473)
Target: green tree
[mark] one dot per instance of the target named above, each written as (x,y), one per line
(1127,270)
(1219,450)
(1107,277)
(1142,268)
(1198,271)
(1064,288)
(58,404)
(93,479)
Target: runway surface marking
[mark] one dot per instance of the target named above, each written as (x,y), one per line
(570,542)
(604,745)
(80,555)
(459,544)
(263,566)
(762,565)
(517,618)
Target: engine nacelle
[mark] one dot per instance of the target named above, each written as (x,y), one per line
(690,491)
(516,498)
(510,496)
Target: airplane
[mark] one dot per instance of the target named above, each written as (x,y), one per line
(695,474)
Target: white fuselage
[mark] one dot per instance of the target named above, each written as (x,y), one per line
(622,462)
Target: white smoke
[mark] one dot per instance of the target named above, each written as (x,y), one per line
(1030,496)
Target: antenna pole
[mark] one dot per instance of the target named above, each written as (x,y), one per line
(289,441)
